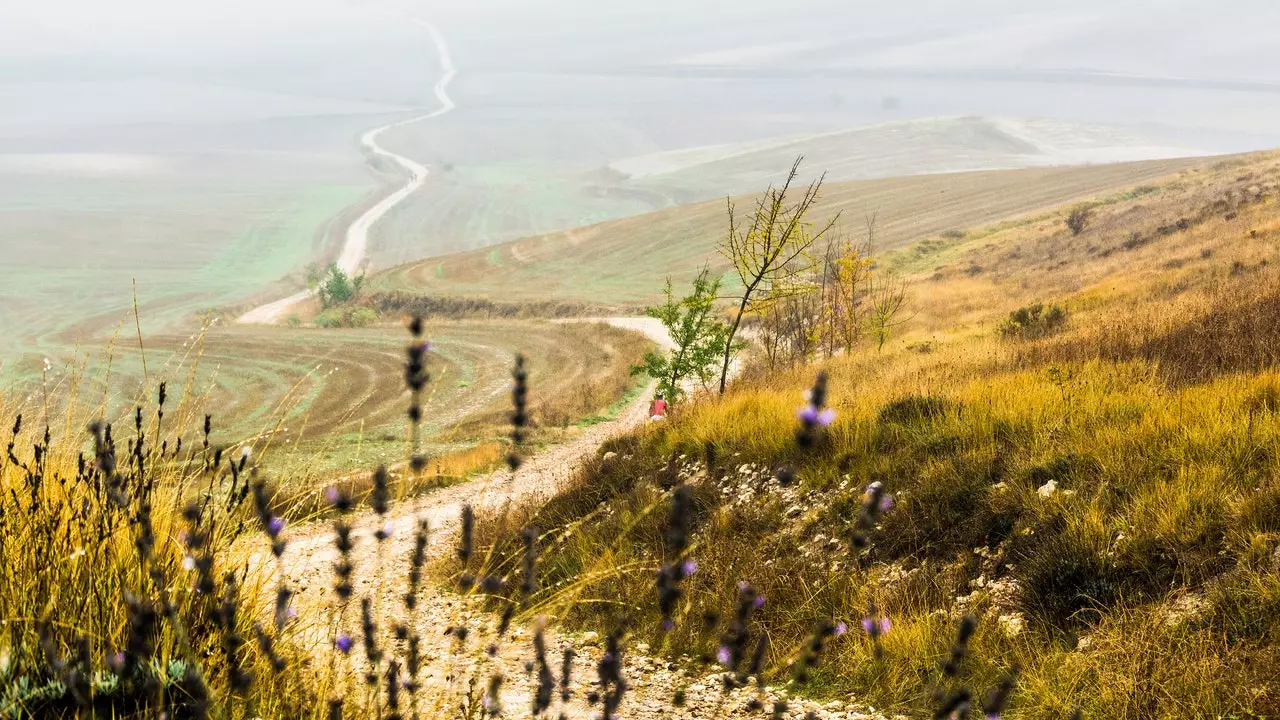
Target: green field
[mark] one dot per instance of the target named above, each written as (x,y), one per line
(74,248)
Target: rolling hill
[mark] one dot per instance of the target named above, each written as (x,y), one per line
(624,262)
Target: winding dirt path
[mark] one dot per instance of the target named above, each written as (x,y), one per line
(381,575)
(356,244)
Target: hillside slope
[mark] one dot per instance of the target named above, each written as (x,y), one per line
(1101,494)
(625,261)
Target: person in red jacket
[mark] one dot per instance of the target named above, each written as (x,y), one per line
(658,408)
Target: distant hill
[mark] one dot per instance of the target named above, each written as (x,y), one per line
(911,147)
(625,261)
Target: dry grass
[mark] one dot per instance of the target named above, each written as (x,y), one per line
(1104,499)
(73,544)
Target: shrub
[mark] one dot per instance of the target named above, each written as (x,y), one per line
(346,317)
(1078,219)
(1033,321)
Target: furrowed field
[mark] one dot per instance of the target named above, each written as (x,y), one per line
(625,262)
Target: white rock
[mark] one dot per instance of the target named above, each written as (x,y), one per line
(1047,489)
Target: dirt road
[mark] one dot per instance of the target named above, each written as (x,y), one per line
(356,243)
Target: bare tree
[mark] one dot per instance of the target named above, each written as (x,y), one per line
(771,251)
(888,296)
(845,288)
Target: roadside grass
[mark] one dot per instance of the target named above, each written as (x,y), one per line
(615,409)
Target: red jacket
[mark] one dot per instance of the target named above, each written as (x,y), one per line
(659,407)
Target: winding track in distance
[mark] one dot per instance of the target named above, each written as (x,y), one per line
(357,236)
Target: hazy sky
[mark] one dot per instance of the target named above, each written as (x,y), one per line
(1234,39)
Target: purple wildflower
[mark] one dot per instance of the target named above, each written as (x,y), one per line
(668,625)
(331,493)
(842,628)
(876,626)
(343,643)
(826,417)
(886,503)
(275,525)
(723,655)
(808,414)
(760,600)
(689,567)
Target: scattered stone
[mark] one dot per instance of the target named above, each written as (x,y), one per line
(1184,609)
(1047,489)
(1011,624)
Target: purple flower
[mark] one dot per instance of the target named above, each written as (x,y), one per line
(331,493)
(343,643)
(275,525)
(760,600)
(668,625)
(808,414)
(811,415)
(841,628)
(876,626)
(742,585)
(689,567)
(886,503)
(723,655)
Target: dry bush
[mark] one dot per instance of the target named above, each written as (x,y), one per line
(1033,321)
(462,308)
(1078,219)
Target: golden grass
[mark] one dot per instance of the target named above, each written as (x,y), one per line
(72,560)
(1124,473)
